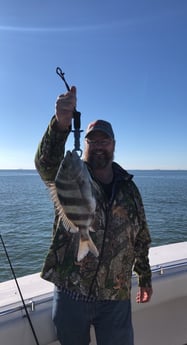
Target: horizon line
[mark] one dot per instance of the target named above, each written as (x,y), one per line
(141,169)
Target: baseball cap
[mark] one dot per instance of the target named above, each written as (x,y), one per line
(102,126)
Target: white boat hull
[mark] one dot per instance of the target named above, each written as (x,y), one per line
(163,321)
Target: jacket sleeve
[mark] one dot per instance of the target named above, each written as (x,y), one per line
(50,151)
(142,243)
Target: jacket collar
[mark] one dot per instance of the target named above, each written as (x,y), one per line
(120,173)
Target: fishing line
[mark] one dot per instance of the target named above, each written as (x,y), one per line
(20,293)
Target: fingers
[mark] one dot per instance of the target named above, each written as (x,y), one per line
(73,90)
(64,107)
(66,101)
(144,295)
(68,94)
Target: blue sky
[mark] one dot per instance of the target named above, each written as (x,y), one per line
(128,60)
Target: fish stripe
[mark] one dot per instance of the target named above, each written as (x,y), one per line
(78,217)
(65,185)
(72,201)
(76,210)
(64,194)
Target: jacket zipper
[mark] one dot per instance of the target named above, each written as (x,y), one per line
(100,256)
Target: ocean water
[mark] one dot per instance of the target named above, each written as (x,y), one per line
(26,215)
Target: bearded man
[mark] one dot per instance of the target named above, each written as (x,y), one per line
(97,290)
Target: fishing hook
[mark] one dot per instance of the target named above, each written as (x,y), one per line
(61,75)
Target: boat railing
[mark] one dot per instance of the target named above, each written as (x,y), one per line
(163,271)
(167,269)
(30,304)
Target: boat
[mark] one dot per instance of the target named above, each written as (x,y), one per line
(162,321)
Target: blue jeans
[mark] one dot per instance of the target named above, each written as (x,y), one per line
(111,320)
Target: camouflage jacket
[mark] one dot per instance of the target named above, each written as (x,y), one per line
(121,234)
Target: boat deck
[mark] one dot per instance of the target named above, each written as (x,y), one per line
(165,317)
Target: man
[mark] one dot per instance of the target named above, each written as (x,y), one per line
(100,294)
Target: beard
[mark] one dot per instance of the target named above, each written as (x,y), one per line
(98,159)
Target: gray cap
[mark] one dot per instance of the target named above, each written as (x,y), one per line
(101,126)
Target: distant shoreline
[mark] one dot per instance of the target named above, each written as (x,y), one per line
(128,169)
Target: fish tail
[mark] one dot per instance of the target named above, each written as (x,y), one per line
(86,246)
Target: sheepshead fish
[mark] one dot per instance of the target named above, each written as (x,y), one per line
(72,194)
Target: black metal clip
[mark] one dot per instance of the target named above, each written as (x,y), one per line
(76,116)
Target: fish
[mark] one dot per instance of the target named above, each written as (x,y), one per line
(73,195)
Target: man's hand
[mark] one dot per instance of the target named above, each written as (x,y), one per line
(65,105)
(144,294)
